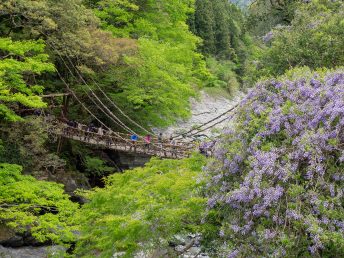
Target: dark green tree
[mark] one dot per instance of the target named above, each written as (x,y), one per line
(204,21)
(314,39)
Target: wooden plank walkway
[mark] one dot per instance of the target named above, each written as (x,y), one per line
(121,142)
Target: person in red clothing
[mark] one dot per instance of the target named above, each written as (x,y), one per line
(147,141)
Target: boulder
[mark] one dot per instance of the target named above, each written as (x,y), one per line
(31,252)
(9,237)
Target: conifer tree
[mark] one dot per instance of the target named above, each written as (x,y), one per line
(205,24)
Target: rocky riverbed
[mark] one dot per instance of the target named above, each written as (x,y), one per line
(30,252)
(204,109)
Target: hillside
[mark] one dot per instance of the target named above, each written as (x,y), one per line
(191,128)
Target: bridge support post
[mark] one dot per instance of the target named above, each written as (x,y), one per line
(65,109)
(59,145)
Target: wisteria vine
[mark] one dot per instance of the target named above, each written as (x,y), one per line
(277,178)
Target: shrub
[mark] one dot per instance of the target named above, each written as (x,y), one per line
(276,185)
(38,206)
(142,209)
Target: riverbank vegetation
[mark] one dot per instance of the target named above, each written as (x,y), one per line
(274,185)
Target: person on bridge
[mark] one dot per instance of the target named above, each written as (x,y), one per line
(147,141)
(68,130)
(100,132)
(160,140)
(37,112)
(108,134)
(88,132)
(173,144)
(134,138)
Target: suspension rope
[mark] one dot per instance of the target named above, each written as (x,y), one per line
(109,99)
(206,123)
(112,116)
(78,100)
(211,126)
(120,110)
(62,59)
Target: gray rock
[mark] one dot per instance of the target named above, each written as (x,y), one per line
(9,237)
(203,110)
(31,252)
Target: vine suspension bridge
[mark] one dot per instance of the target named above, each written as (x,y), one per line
(178,146)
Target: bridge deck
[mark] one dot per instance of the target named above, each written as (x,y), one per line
(122,142)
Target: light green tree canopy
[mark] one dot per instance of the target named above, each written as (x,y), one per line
(20,62)
(142,209)
(41,207)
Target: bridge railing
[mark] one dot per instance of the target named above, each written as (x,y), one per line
(122,141)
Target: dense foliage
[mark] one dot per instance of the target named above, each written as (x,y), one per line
(167,67)
(274,185)
(220,25)
(24,144)
(277,181)
(314,38)
(224,76)
(264,15)
(142,209)
(20,61)
(38,206)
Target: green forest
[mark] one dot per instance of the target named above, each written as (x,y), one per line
(87,88)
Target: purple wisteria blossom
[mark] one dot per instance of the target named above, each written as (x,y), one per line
(280,171)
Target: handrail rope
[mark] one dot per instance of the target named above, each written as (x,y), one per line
(92,92)
(97,98)
(130,130)
(219,122)
(118,108)
(75,96)
(112,119)
(181,149)
(104,111)
(208,122)
(125,115)
(86,85)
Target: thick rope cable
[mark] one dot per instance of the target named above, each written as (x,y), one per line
(125,115)
(62,59)
(120,110)
(112,102)
(115,120)
(81,103)
(206,123)
(89,111)
(209,127)
(109,111)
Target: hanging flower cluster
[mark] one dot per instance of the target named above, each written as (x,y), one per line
(277,179)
